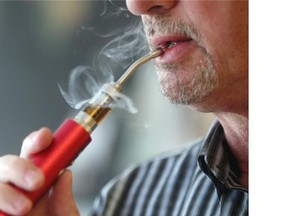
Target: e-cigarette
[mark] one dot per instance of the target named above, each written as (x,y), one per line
(74,134)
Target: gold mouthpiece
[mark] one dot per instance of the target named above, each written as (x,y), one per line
(153,54)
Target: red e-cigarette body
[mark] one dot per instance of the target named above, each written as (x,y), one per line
(68,141)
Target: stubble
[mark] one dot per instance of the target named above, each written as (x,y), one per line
(186,82)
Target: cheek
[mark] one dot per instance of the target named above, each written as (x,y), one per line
(223,27)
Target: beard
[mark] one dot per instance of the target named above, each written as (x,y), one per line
(187,86)
(190,80)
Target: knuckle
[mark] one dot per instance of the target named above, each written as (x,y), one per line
(15,162)
(13,159)
(20,172)
(8,162)
(13,168)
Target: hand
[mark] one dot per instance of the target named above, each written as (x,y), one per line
(25,175)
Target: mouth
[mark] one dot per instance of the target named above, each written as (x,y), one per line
(170,44)
(175,47)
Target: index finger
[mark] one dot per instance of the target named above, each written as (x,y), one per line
(36,142)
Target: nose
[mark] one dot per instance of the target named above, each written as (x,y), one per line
(150,7)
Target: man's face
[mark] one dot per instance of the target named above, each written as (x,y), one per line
(207,47)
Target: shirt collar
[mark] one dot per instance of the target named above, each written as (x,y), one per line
(217,162)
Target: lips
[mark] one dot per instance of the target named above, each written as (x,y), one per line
(175,47)
(167,41)
(170,44)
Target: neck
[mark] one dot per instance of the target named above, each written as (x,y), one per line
(236,133)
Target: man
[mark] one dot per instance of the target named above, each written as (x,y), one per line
(205,67)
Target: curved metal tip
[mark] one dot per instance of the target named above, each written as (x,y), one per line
(153,54)
(157,52)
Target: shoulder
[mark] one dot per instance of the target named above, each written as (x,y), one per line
(161,170)
(174,156)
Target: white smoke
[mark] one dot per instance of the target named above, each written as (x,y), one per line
(126,43)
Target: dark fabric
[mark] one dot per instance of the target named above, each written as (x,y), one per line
(198,179)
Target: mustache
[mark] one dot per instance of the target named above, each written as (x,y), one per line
(159,25)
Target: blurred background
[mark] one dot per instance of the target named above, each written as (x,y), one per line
(40,44)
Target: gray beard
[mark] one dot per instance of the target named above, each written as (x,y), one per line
(183,82)
(191,88)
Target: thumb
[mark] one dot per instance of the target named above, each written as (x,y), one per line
(61,201)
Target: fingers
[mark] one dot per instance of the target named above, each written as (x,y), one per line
(23,174)
(20,172)
(36,141)
(62,200)
(13,202)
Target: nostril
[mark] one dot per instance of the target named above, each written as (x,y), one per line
(156,8)
(161,7)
